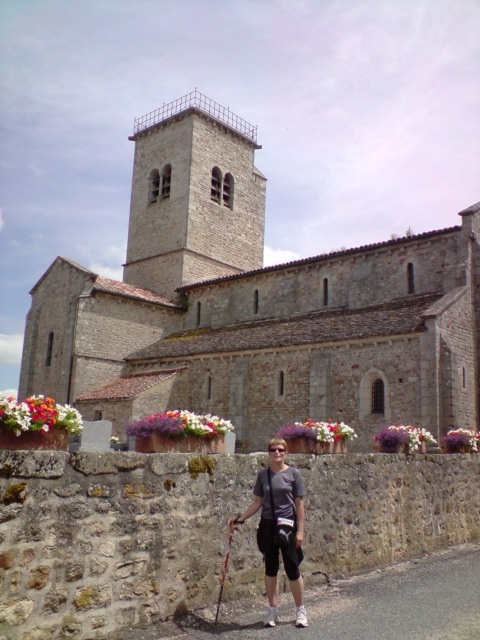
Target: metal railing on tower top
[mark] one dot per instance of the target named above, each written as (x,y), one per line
(196,99)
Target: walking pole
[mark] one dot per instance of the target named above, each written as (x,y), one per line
(233,528)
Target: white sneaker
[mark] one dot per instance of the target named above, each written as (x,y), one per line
(271,618)
(301,618)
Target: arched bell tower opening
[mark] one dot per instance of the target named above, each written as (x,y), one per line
(198,202)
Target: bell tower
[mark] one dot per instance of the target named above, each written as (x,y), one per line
(197,206)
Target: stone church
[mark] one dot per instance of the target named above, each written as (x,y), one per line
(386,333)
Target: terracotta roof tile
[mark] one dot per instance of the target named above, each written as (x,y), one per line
(127,387)
(116,287)
(396,318)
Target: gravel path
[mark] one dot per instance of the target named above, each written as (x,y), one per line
(431,598)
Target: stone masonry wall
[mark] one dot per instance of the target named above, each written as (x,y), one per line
(63,284)
(91,543)
(355,280)
(157,227)
(233,236)
(458,353)
(108,329)
(319,383)
(218,240)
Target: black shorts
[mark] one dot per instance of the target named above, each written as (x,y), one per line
(292,556)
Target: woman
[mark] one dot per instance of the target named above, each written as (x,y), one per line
(288,491)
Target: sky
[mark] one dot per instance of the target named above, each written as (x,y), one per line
(368,113)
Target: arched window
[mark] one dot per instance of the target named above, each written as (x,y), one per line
(199,313)
(48,359)
(166,180)
(378,396)
(209,388)
(374,396)
(410,278)
(325,292)
(228,191)
(153,186)
(281,383)
(255,301)
(216,185)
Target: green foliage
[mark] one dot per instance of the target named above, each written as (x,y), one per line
(201,464)
(15,493)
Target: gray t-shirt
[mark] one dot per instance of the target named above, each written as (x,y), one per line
(286,486)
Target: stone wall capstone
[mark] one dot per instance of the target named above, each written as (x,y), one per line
(94,542)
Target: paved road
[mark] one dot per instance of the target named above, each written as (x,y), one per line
(433,598)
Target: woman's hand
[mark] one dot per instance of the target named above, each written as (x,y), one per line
(252,509)
(299,537)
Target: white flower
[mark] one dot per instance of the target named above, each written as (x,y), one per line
(323,431)
(425,436)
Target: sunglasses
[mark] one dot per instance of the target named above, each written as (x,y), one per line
(279,449)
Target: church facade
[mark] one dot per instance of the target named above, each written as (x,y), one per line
(381,334)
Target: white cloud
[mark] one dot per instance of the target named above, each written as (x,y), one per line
(277,256)
(367,114)
(114,273)
(9,392)
(11,348)
(112,257)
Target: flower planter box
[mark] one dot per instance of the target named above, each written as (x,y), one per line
(398,447)
(179,431)
(301,445)
(325,447)
(56,439)
(312,437)
(402,438)
(340,446)
(461,441)
(309,446)
(157,443)
(456,448)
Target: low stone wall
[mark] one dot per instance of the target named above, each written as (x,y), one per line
(93,542)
